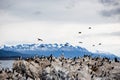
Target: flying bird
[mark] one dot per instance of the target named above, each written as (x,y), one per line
(40,39)
(99,44)
(80,42)
(93,45)
(89,28)
(79,32)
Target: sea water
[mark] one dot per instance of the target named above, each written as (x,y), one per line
(6,63)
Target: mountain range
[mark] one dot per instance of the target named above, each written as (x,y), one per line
(30,50)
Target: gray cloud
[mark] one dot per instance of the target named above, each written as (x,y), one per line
(115,33)
(80,11)
(109,34)
(110,2)
(37,13)
(111,8)
(112,12)
(4,4)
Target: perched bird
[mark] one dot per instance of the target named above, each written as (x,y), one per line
(89,28)
(40,39)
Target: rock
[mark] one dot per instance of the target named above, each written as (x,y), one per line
(30,69)
(3,75)
(85,68)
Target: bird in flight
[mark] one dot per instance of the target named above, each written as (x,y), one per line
(40,39)
(89,28)
(93,45)
(80,42)
(99,44)
(79,32)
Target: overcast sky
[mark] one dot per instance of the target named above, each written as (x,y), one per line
(59,21)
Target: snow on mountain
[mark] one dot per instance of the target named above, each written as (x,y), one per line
(56,49)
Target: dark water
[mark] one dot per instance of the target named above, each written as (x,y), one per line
(6,63)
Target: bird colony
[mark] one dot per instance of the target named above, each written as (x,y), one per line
(61,68)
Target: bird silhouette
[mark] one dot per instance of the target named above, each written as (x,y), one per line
(93,45)
(99,44)
(79,32)
(89,28)
(80,42)
(40,39)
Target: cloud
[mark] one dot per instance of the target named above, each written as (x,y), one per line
(114,34)
(110,2)
(111,8)
(112,12)
(105,35)
(66,11)
(4,4)
(37,13)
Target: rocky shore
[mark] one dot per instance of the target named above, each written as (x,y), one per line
(61,68)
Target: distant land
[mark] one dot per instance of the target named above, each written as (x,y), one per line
(31,50)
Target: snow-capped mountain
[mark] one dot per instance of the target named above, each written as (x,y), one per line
(44,47)
(56,49)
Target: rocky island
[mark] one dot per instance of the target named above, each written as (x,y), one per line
(61,68)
